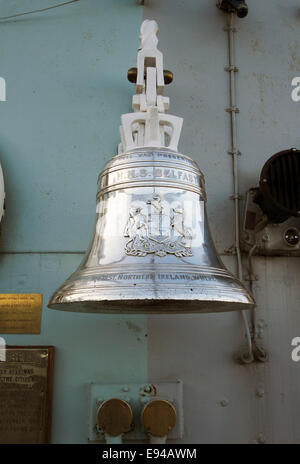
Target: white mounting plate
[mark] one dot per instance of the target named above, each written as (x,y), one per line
(137,395)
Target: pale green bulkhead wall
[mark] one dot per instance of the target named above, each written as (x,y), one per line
(66,88)
(65,71)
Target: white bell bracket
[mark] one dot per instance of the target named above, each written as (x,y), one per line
(149,126)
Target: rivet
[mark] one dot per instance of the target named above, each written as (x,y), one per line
(125,388)
(260,392)
(261,439)
(224,402)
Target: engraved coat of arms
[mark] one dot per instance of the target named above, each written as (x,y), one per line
(151,230)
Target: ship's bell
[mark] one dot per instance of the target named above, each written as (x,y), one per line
(151,251)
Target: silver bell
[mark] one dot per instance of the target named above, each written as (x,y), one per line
(151,251)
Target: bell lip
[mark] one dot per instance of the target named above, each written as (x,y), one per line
(149,306)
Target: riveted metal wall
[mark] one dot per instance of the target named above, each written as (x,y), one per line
(226,402)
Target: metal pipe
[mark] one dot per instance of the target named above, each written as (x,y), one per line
(233,110)
(251,279)
(113,440)
(259,352)
(158,440)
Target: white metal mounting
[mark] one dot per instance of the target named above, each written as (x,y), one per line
(263,237)
(149,126)
(137,395)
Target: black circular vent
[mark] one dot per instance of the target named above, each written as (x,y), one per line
(279,186)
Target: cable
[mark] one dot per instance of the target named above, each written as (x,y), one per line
(37,11)
(235,153)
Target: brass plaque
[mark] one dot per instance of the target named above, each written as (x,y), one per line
(25,394)
(20,313)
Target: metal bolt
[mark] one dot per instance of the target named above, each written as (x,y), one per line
(147,388)
(260,392)
(125,388)
(224,402)
(264,181)
(265,238)
(261,439)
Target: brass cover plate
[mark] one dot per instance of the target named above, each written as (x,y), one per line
(159,417)
(115,417)
(20,313)
(25,394)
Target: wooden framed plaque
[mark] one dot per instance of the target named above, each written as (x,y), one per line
(25,394)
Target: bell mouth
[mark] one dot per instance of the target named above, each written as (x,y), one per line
(222,294)
(148,289)
(153,306)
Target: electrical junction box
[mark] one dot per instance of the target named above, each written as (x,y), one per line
(137,395)
(269,239)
